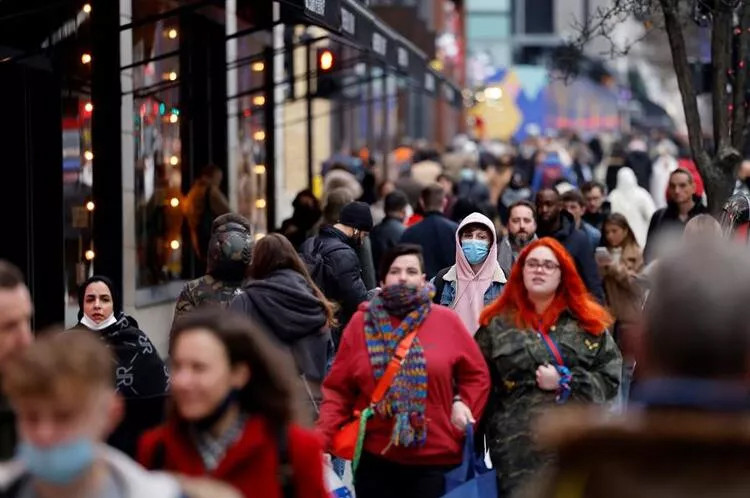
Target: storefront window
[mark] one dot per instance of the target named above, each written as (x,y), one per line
(157,148)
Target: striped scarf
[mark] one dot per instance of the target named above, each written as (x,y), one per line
(405,400)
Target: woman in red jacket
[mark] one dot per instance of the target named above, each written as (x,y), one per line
(233,412)
(417,432)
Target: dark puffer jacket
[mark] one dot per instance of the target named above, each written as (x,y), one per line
(229,254)
(340,275)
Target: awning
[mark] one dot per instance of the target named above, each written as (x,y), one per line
(354,22)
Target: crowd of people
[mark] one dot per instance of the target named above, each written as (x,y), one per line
(523,294)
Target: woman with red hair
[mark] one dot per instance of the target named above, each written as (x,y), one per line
(546,342)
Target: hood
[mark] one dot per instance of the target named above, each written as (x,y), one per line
(462,264)
(230,248)
(626,179)
(287,304)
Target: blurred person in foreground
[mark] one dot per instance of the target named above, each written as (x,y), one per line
(235,414)
(62,389)
(16,311)
(546,343)
(689,434)
(229,254)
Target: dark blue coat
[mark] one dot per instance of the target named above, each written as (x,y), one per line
(437,236)
(576,241)
(384,236)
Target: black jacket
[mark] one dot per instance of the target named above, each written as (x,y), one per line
(384,236)
(437,236)
(597,220)
(284,305)
(142,380)
(668,220)
(577,243)
(342,279)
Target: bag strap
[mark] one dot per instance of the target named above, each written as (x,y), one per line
(393,367)
(552,348)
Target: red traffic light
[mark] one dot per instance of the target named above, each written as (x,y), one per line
(325,60)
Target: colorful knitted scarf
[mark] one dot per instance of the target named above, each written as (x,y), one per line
(405,400)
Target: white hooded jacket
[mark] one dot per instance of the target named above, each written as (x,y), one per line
(633,202)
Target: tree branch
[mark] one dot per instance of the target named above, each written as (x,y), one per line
(739,114)
(721,49)
(685,82)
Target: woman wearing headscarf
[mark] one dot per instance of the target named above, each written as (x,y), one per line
(141,375)
(416,432)
(476,279)
(546,342)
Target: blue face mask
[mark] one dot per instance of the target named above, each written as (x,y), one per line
(475,250)
(59,464)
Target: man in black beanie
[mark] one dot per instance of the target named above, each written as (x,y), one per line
(333,262)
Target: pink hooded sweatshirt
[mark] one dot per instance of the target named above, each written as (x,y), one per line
(471,287)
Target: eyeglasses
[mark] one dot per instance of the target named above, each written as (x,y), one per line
(547,265)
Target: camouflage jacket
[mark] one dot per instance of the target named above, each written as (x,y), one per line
(513,356)
(205,290)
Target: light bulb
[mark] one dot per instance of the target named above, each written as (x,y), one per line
(172,34)
(88,155)
(259,135)
(173,118)
(87,8)
(88,107)
(175,244)
(172,76)
(259,169)
(174,202)
(260,203)
(257,67)
(89,255)
(90,205)
(86,57)
(174,160)
(259,100)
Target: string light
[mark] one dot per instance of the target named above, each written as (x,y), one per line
(90,205)
(259,169)
(174,202)
(90,255)
(86,58)
(259,135)
(89,107)
(175,244)
(260,203)
(257,67)
(87,8)
(172,34)
(174,160)
(173,118)
(88,155)
(172,76)
(259,100)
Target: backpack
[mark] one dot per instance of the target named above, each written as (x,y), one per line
(318,262)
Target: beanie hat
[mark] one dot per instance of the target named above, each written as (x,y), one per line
(356,215)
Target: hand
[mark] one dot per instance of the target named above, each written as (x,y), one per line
(547,378)
(461,416)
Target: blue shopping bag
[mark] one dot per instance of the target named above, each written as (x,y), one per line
(471,479)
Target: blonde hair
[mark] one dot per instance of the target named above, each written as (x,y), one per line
(59,360)
(702,227)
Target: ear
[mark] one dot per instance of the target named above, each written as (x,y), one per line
(240,375)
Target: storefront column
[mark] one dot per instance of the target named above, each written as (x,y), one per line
(106,140)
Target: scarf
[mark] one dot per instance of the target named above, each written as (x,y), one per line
(406,398)
(471,287)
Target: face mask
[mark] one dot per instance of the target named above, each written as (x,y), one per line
(475,250)
(59,464)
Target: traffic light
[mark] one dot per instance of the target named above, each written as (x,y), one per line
(328,73)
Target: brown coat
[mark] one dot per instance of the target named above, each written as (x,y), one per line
(624,295)
(645,454)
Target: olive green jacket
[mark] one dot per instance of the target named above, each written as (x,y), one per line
(513,356)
